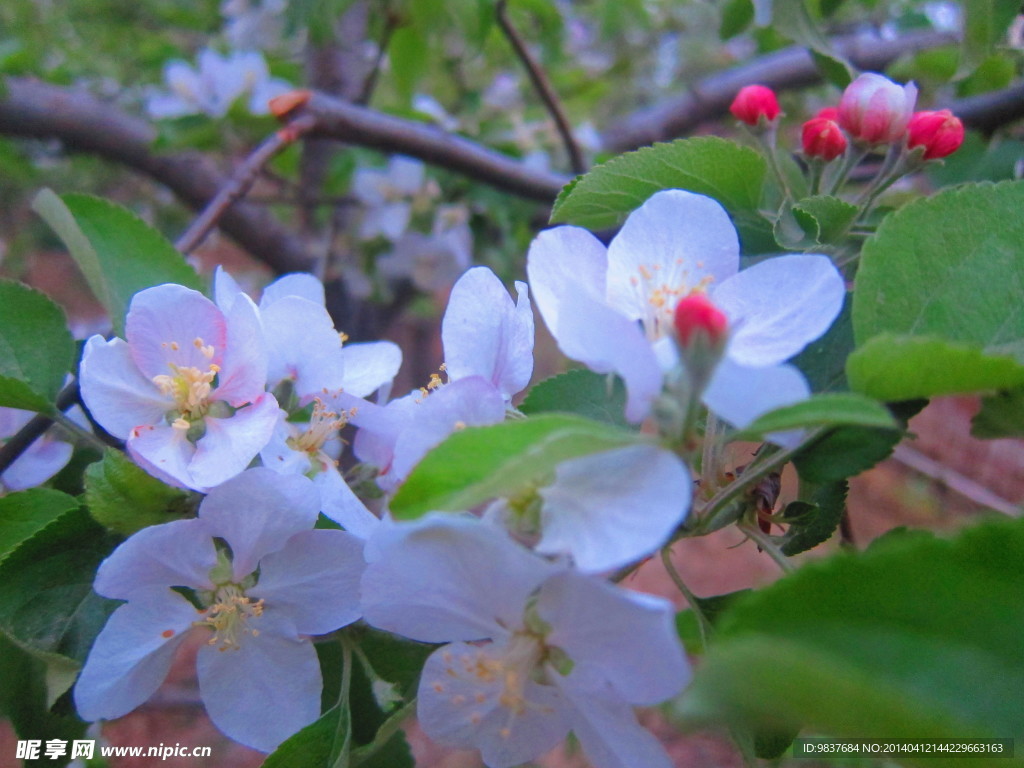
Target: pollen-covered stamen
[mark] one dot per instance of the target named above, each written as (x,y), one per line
(323,425)
(229,616)
(190,387)
(436,382)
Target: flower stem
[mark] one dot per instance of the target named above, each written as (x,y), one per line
(703,624)
(78,431)
(765,542)
(387,729)
(343,733)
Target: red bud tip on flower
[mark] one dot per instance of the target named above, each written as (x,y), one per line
(940,133)
(696,314)
(823,138)
(875,110)
(754,103)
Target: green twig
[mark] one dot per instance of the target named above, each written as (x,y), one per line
(387,730)
(343,732)
(764,541)
(703,624)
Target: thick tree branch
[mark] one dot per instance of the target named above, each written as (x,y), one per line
(83,123)
(787,69)
(358,125)
(989,111)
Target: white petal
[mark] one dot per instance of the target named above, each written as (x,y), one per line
(340,504)
(460,705)
(406,174)
(778,306)
(266,689)
(609,509)
(165,453)
(243,374)
(132,654)
(315,580)
(448,578)
(485,334)
(257,512)
(163,323)
(303,346)
(230,444)
(175,554)
(739,394)
(675,239)
(116,393)
(370,366)
(225,289)
(563,262)
(299,284)
(614,636)
(43,459)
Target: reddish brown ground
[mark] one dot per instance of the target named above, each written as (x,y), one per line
(955,477)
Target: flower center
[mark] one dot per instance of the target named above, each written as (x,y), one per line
(190,387)
(323,425)
(660,293)
(229,616)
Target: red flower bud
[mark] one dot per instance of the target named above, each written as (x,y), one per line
(754,103)
(940,133)
(697,315)
(823,138)
(829,113)
(875,110)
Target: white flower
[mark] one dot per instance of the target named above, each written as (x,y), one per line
(535,650)
(388,196)
(433,261)
(611,308)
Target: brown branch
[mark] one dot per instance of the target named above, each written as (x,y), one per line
(989,111)
(83,123)
(241,182)
(787,69)
(346,122)
(543,87)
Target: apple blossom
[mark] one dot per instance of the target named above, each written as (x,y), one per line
(612,308)
(186,390)
(940,133)
(875,110)
(280,581)
(535,650)
(755,104)
(388,196)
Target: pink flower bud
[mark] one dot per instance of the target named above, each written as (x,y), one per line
(875,110)
(754,103)
(696,316)
(940,133)
(829,113)
(823,138)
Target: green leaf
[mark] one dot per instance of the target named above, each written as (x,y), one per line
(118,253)
(985,24)
(950,266)
(46,598)
(812,523)
(907,367)
(407,53)
(736,17)
(919,638)
(1001,415)
(36,348)
(125,498)
(585,393)
(311,747)
(826,410)
(731,174)
(481,463)
(24,514)
(823,361)
(978,159)
(793,18)
(824,218)
(713,608)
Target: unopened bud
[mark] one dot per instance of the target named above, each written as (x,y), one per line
(829,113)
(940,133)
(755,103)
(875,110)
(823,138)
(697,318)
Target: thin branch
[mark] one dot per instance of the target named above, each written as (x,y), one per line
(353,124)
(34,429)
(83,123)
(370,83)
(542,85)
(241,182)
(955,481)
(787,69)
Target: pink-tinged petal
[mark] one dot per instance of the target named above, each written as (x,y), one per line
(471,402)
(676,240)
(625,639)
(116,393)
(165,453)
(448,578)
(485,334)
(609,733)
(778,306)
(315,580)
(612,508)
(460,705)
(608,342)
(340,504)
(281,457)
(267,688)
(299,284)
(303,346)
(564,262)
(175,554)
(163,324)
(225,289)
(230,444)
(132,654)
(379,426)
(739,394)
(43,459)
(243,374)
(256,513)
(370,366)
